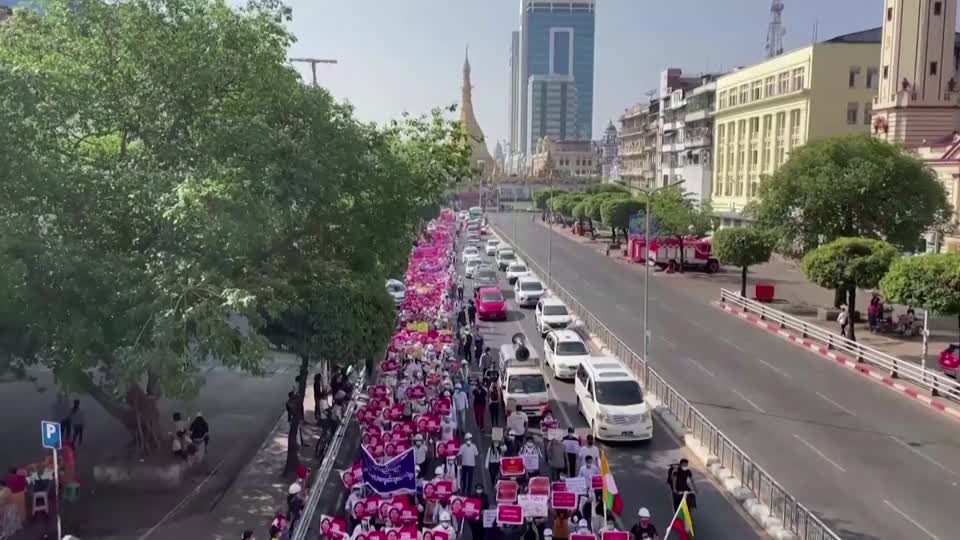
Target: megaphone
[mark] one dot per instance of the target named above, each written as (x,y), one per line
(520,343)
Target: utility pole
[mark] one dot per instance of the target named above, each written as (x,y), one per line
(313,64)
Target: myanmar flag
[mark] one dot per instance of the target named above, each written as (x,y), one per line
(611,496)
(683,522)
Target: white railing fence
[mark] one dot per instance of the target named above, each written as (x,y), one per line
(933,381)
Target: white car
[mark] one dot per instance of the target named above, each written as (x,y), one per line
(471,267)
(527,291)
(505,257)
(470,252)
(551,313)
(563,351)
(492,246)
(611,401)
(397,290)
(516,271)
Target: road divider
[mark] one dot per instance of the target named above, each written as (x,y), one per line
(764,499)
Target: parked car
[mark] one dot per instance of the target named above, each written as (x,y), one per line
(492,245)
(516,271)
(563,351)
(551,314)
(485,276)
(397,290)
(470,252)
(491,304)
(505,257)
(950,360)
(527,291)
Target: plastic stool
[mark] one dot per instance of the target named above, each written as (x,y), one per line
(40,503)
(71,491)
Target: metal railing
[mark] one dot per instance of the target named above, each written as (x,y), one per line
(795,517)
(326,466)
(928,379)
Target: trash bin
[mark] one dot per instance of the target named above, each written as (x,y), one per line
(763,292)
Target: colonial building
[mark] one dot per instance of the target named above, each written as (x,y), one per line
(480,155)
(608,148)
(563,159)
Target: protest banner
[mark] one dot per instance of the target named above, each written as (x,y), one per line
(352,476)
(465,507)
(563,500)
(577,485)
(496,434)
(379,391)
(418,391)
(512,466)
(614,535)
(509,514)
(489,518)
(409,516)
(332,527)
(531,462)
(533,505)
(555,435)
(390,366)
(376,535)
(558,486)
(596,482)
(449,448)
(427,423)
(371,505)
(507,491)
(582,536)
(441,406)
(439,534)
(398,475)
(539,485)
(444,489)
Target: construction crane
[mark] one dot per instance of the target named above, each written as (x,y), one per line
(313,64)
(776,29)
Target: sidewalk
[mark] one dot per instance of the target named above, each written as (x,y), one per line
(257,492)
(796,296)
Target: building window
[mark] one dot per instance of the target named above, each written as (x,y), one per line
(783,83)
(798,79)
(795,121)
(767,125)
(754,158)
(721,100)
(867,113)
(937,8)
(889,13)
(753,189)
(766,157)
(852,110)
(781,123)
(744,94)
(886,72)
(732,101)
(852,78)
(741,130)
(721,129)
(756,90)
(754,127)
(771,86)
(933,68)
(871,77)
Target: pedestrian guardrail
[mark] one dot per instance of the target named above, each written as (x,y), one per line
(930,380)
(326,466)
(795,517)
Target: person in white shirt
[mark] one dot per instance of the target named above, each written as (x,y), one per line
(448,425)
(589,470)
(468,461)
(419,450)
(517,422)
(530,449)
(446,525)
(460,403)
(588,449)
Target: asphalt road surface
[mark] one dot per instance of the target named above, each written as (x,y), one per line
(871,464)
(639,469)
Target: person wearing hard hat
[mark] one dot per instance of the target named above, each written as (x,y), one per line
(446,524)
(583,527)
(644,527)
(295,503)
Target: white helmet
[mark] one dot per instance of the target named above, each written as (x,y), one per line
(444,517)
(438,471)
(548,533)
(644,513)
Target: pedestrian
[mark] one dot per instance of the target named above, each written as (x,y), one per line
(680,479)
(460,402)
(468,461)
(460,289)
(588,470)
(247,535)
(873,313)
(478,346)
(472,313)
(77,419)
(495,398)
(476,525)
(468,345)
(588,450)
(485,359)
(461,318)
(571,446)
(278,525)
(494,454)
(517,422)
(556,458)
(200,434)
(530,454)
(295,503)
(479,404)
(843,318)
(318,395)
(61,411)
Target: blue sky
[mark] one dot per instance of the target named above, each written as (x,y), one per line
(398,55)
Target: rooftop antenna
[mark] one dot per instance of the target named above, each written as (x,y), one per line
(816,27)
(776,30)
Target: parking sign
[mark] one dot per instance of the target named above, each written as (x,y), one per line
(50,434)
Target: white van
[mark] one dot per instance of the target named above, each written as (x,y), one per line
(611,401)
(526,387)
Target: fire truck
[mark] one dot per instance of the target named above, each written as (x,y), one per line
(665,253)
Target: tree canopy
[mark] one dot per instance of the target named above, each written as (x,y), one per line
(677,214)
(742,247)
(541,199)
(563,204)
(931,282)
(851,186)
(171,193)
(616,214)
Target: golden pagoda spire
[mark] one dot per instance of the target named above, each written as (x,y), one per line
(469,119)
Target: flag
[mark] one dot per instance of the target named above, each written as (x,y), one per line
(611,497)
(683,522)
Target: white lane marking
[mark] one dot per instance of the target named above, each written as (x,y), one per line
(732,344)
(911,520)
(819,453)
(745,398)
(774,368)
(667,342)
(929,459)
(701,367)
(837,405)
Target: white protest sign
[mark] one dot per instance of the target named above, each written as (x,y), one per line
(533,505)
(489,518)
(531,462)
(577,485)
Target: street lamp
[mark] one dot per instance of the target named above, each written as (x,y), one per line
(313,64)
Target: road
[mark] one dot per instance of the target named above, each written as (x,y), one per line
(240,408)
(870,464)
(639,469)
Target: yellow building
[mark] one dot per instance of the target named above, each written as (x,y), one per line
(766,110)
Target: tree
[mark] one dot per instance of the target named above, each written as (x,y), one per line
(677,215)
(595,201)
(848,263)
(851,186)
(579,212)
(563,204)
(616,214)
(607,188)
(742,247)
(931,282)
(541,199)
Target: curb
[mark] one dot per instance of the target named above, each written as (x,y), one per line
(849,363)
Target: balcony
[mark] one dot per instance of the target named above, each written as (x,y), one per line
(701,114)
(672,126)
(673,147)
(698,141)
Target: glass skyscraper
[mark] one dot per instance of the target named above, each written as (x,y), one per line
(556,64)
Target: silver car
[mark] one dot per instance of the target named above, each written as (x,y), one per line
(485,276)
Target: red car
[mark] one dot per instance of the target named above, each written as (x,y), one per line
(491,304)
(950,360)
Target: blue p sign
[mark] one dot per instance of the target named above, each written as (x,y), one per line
(50,434)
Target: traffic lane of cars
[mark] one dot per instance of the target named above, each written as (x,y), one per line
(640,469)
(815,428)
